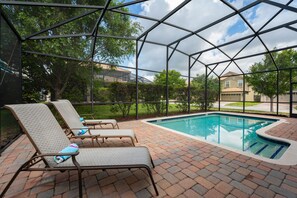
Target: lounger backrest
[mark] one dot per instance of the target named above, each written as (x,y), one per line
(68,115)
(41,127)
(70,104)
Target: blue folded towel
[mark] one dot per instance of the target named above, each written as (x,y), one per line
(82,131)
(72,148)
(82,119)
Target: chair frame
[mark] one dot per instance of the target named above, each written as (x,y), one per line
(38,157)
(90,115)
(69,129)
(70,134)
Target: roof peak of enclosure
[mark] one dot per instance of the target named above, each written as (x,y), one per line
(209,31)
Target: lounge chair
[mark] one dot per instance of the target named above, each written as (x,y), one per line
(74,124)
(48,138)
(93,122)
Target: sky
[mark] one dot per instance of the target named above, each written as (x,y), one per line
(198,13)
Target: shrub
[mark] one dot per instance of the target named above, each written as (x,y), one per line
(153,98)
(123,95)
(181,99)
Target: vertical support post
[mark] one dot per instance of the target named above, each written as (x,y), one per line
(277,92)
(20,73)
(291,94)
(189,86)
(167,88)
(219,93)
(92,71)
(92,89)
(1,108)
(243,94)
(205,90)
(95,33)
(136,80)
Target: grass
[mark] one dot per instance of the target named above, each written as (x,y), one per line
(103,111)
(240,104)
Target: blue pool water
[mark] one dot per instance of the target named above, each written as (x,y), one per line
(237,132)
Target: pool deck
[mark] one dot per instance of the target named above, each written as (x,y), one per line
(185,167)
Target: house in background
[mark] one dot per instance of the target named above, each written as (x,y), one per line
(117,74)
(232,88)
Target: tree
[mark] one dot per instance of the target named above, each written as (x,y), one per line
(174,81)
(266,82)
(198,90)
(53,73)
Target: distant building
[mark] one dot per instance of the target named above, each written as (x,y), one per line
(281,98)
(117,74)
(232,88)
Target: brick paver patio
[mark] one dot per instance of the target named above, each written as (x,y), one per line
(184,168)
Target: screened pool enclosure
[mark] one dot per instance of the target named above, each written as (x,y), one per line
(79,49)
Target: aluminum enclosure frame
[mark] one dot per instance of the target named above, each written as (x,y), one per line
(141,40)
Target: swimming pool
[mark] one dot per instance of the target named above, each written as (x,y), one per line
(233,131)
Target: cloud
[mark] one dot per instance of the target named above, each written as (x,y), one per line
(196,14)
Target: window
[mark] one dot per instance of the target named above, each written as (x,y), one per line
(240,83)
(227,84)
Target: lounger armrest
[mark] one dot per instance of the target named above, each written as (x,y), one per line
(72,154)
(78,128)
(87,136)
(38,156)
(57,154)
(89,130)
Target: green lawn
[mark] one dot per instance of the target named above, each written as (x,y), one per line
(240,104)
(103,111)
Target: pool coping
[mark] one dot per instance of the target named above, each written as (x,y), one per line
(288,158)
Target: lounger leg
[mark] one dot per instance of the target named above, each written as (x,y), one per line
(136,139)
(12,179)
(152,180)
(79,171)
(152,162)
(98,141)
(80,183)
(132,140)
(118,126)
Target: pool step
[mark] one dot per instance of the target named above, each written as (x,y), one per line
(257,147)
(277,152)
(261,149)
(251,146)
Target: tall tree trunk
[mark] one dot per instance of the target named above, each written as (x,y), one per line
(271,104)
(58,94)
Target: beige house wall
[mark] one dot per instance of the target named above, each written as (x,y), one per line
(235,92)
(250,95)
(281,98)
